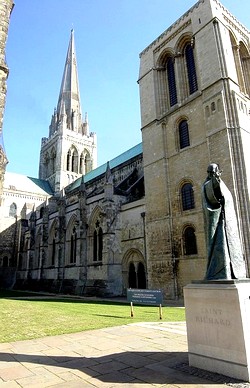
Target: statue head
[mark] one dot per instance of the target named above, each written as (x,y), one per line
(213,170)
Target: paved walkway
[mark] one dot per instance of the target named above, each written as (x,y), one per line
(139,355)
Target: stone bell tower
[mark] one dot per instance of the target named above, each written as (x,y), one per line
(70,151)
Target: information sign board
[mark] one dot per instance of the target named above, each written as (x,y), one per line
(149,297)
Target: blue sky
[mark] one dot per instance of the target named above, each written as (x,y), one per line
(109,35)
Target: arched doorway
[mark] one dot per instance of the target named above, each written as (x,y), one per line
(134,270)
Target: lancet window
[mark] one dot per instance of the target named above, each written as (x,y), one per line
(184,134)
(98,243)
(191,71)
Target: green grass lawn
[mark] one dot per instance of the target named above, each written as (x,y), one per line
(25,316)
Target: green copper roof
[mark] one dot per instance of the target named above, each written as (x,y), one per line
(120,159)
(44,185)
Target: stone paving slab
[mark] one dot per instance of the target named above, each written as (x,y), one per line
(139,355)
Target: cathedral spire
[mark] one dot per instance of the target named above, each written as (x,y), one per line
(70,151)
(69,97)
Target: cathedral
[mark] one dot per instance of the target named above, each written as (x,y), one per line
(136,221)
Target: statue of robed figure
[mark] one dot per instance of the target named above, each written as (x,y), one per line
(225,259)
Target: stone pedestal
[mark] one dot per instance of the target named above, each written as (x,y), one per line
(218,326)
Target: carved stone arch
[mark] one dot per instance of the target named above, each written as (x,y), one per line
(166,81)
(74,147)
(245,66)
(181,118)
(183,40)
(236,56)
(134,270)
(70,225)
(232,35)
(187,75)
(244,48)
(183,181)
(94,217)
(165,54)
(242,61)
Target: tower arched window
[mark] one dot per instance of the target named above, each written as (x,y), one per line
(53,161)
(87,163)
(13,210)
(184,134)
(75,161)
(187,197)
(171,81)
(191,70)
(245,67)
(189,241)
(46,165)
(86,169)
(69,160)
(72,160)
(82,163)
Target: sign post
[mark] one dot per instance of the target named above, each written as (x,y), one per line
(147,297)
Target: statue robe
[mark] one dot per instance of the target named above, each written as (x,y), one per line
(225,258)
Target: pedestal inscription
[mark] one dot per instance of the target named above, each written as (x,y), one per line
(218,321)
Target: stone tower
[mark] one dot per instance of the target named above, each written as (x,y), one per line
(6,7)
(195,103)
(70,150)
